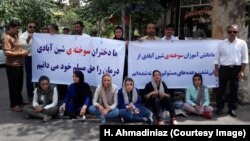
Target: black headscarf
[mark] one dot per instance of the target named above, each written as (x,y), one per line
(40,90)
(41,79)
(82,88)
(118,27)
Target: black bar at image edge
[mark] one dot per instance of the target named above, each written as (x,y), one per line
(208,132)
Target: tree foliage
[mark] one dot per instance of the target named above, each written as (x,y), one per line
(141,11)
(68,18)
(39,11)
(96,14)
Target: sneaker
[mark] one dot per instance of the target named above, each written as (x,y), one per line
(122,120)
(165,116)
(103,119)
(46,118)
(82,119)
(150,118)
(232,113)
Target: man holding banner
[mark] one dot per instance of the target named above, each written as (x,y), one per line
(150,31)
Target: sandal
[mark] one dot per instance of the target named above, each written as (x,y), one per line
(160,122)
(173,121)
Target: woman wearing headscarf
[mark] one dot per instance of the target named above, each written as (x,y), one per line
(158,99)
(129,103)
(45,100)
(78,97)
(197,98)
(105,100)
(118,31)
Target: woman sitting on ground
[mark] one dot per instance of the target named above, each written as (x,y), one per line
(129,103)
(158,98)
(197,98)
(78,98)
(105,100)
(45,100)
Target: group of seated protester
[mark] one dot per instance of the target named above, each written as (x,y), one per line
(108,102)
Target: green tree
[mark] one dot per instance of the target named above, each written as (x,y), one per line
(68,18)
(40,11)
(99,11)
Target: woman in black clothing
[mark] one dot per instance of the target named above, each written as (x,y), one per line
(78,98)
(118,31)
(158,99)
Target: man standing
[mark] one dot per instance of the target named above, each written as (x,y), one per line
(169,33)
(45,30)
(66,30)
(150,31)
(26,42)
(14,64)
(79,29)
(230,62)
(169,36)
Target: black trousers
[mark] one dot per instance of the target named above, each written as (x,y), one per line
(159,105)
(62,92)
(29,83)
(228,74)
(15,82)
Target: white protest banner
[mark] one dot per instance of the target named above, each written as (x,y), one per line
(57,56)
(178,61)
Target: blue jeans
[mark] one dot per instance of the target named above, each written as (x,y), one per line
(128,116)
(114,113)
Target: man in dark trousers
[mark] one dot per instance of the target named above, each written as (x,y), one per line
(230,62)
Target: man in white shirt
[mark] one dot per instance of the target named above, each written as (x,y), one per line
(230,62)
(169,33)
(79,29)
(26,42)
(169,36)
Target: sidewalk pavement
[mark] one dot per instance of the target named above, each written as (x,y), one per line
(14,126)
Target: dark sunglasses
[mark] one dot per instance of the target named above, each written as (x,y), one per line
(230,32)
(32,27)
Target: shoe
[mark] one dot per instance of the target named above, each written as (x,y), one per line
(17,109)
(232,113)
(82,119)
(207,115)
(27,116)
(160,122)
(150,118)
(103,119)
(173,121)
(122,120)
(46,118)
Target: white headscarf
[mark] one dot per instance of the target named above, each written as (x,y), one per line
(107,95)
(125,93)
